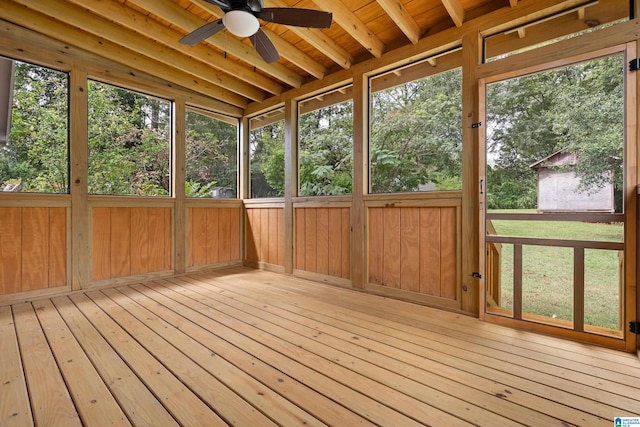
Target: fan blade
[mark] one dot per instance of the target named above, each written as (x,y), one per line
(204,32)
(297,17)
(265,47)
(255,5)
(225,5)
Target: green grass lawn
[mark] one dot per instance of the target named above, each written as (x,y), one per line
(548,271)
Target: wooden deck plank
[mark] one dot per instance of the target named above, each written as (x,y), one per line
(14,399)
(230,407)
(184,405)
(50,400)
(554,357)
(478,351)
(412,313)
(396,408)
(258,395)
(140,405)
(201,327)
(463,402)
(92,398)
(245,347)
(401,394)
(583,353)
(468,386)
(322,376)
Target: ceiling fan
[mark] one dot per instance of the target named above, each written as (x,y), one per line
(241,19)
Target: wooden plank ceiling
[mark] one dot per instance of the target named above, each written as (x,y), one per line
(145,34)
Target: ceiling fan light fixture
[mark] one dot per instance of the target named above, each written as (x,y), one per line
(241,23)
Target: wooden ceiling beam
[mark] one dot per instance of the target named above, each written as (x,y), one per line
(158,33)
(172,12)
(349,22)
(54,28)
(285,49)
(396,10)
(455,10)
(318,40)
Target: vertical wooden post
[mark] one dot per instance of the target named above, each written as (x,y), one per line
(177,187)
(243,157)
(244,184)
(632,189)
(472,49)
(578,289)
(517,281)
(360,180)
(78,155)
(633,144)
(290,179)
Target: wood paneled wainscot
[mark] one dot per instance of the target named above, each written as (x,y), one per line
(214,236)
(33,248)
(322,241)
(414,251)
(264,236)
(130,241)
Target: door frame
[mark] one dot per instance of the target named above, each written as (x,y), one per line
(534,61)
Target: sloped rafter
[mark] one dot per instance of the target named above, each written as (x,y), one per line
(395,9)
(184,19)
(56,29)
(455,10)
(135,21)
(31,44)
(285,49)
(295,55)
(318,39)
(352,25)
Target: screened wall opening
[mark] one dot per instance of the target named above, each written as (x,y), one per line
(34,153)
(415,138)
(129,142)
(325,138)
(266,154)
(211,157)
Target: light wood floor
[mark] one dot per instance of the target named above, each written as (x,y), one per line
(251,348)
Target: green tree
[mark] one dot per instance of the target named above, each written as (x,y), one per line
(267,160)
(416,135)
(326,145)
(129,142)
